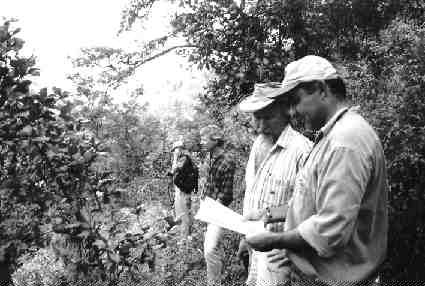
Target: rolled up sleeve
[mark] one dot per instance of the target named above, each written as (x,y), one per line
(343,177)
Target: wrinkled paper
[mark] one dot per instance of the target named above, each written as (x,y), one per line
(213,212)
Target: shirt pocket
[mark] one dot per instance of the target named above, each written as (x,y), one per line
(276,191)
(302,199)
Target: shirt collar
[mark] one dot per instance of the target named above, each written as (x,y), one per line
(285,137)
(331,122)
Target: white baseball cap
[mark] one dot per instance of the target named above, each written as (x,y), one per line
(308,68)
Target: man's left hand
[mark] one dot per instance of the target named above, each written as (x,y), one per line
(262,241)
(277,257)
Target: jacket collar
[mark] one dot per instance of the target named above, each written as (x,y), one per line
(328,126)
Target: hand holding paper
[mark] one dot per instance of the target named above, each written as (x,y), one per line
(211,211)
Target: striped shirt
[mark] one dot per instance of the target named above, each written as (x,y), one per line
(273,183)
(259,150)
(275,177)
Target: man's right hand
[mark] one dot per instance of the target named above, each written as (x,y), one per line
(277,214)
(255,215)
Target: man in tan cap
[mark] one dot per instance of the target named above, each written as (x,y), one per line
(219,186)
(268,195)
(336,225)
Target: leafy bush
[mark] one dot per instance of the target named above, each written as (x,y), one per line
(400,57)
(49,183)
(40,268)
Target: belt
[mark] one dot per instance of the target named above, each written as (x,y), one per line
(298,278)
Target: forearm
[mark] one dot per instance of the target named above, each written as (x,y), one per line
(291,240)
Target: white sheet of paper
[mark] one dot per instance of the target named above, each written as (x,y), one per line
(211,211)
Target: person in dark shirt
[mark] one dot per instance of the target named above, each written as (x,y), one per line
(185,180)
(219,186)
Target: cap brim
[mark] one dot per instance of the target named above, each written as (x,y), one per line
(286,87)
(252,104)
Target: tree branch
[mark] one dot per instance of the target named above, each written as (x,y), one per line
(142,62)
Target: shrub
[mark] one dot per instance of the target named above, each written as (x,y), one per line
(40,268)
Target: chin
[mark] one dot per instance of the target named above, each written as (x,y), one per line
(264,132)
(308,125)
(313,125)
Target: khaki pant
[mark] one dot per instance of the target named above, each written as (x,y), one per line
(214,254)
(262,272)
(182,206)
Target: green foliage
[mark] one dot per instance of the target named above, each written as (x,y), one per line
(50,182)
(40,268)
(136,139)
(111,243)
(46,159)
(243,48)
(389,86)
(401,61)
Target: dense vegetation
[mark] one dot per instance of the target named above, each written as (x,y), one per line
(83,180)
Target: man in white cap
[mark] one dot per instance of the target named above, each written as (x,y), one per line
(268,195)
(337,221)
(219,186)
(185,179)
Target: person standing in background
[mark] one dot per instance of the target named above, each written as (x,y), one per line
(219,186)
(185,180)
